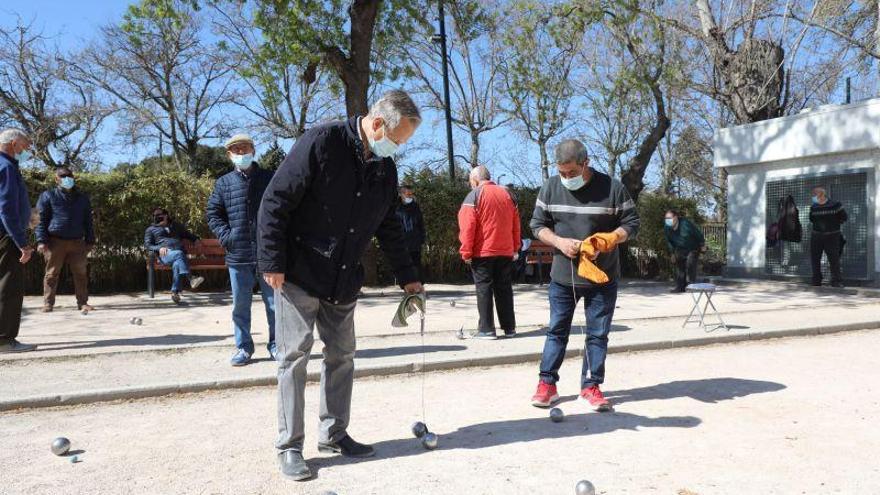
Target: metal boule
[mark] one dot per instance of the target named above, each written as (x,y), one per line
(419,429)
(429,441)
(556,415)
(60,446)
(584,487)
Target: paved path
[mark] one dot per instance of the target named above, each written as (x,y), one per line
(89,360)
(775,417)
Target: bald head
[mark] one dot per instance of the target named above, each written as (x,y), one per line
(479,174)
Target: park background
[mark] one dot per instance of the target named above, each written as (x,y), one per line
(137,97)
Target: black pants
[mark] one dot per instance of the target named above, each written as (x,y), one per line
(493,278)
(11,289)
(830,245)
(686,267)
(416,257)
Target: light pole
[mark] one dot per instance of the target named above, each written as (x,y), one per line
(441,38)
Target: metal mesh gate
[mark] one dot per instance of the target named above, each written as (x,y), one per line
(793,259)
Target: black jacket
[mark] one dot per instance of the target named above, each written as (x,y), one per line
(827,218)
(171,237)
(413,225)
(232,212)
(65,214)
(321,210)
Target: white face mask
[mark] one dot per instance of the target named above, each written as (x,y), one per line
(384,147)
(407,201)
(242,162)
(574,183)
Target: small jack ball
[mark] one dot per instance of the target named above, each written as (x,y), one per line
(584,487)
(429,441)
(452,303)
(133,320)
(139,321)
(60,446)
(419,429)
(556,415)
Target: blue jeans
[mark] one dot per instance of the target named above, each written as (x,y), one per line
(599,304)
(176,259)
(243,278)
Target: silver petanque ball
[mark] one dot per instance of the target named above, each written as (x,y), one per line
(556,415)
(133,320)
(429,441)
(139,322)
(452,303)
(584,487)
(328,493)
(419,429)
(60,446)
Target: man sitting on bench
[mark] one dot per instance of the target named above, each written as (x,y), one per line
(165,238)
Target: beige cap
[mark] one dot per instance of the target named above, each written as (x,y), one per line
(238,138)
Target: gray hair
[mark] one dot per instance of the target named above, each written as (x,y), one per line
(394,106)
(571,150)
(820,189)
(480,172)
(11,135)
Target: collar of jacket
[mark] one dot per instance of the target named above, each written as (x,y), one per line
(353,138)
(9,157)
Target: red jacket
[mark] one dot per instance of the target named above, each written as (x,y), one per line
(488,223)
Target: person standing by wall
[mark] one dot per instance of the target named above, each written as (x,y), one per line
(232,216)
(686,242)
(826,216)
(489,232)
(410,215)
(65,235)
(15,251)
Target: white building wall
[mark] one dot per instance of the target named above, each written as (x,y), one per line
(746,222)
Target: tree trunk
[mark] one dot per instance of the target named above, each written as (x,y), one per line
(632,178)
(545,162)
(475,149)
(754,81)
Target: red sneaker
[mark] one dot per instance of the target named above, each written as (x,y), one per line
(594,396)
(546,395)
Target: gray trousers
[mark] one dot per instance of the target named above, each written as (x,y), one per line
(296,315)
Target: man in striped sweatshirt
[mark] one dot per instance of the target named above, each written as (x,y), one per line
(826,217)
(572,206)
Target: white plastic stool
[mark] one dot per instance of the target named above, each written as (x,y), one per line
(699,311)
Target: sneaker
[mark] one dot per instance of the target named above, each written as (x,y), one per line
(816,284)
(594,396)
(293,465)
(486,336)
(346,446)
(16,346)
(508,334)
(175,296)
(240,358)
(837,285)
(195,282)
(273,352)
(677,291)
(546,395)
(85,308)
(47,308)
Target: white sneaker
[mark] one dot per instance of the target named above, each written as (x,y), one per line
(196,281)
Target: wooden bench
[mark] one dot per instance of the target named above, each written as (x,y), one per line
(540,253)
(208,255)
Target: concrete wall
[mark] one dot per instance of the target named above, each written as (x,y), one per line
(823,131)
(746,224)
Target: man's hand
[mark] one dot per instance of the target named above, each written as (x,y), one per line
(515,256)
(26,253)
(42,249)
(163,251)
(275,280)
(569,247)
(468,261)
(414,288)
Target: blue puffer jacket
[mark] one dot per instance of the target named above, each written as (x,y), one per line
(232,212)
(171,237)
(65,214)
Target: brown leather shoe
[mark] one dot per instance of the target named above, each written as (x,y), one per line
(47,308)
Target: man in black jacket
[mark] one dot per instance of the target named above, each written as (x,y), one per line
(335,189)
(232,217)
(413,224)
(65,234)
(826,217)
(165,239)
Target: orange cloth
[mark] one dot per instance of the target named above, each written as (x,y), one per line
(604,242)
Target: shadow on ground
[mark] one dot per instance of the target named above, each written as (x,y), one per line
(493,434)
(157,340)
(709,390)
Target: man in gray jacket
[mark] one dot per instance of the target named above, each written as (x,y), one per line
(572,206)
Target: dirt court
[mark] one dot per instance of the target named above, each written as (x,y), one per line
(787,416)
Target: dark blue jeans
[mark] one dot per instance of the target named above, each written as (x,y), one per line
(599,304)
(243,278)
(176,259)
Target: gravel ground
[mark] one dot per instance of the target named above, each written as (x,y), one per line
(786,416)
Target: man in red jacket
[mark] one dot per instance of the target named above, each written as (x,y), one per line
(489,232)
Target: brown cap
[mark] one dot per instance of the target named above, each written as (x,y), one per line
(238,138)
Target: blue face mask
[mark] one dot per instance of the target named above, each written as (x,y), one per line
(574,183)
(23,156)
(242,162)
(815,200)
(384,147)
(67,182)
(670,222)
